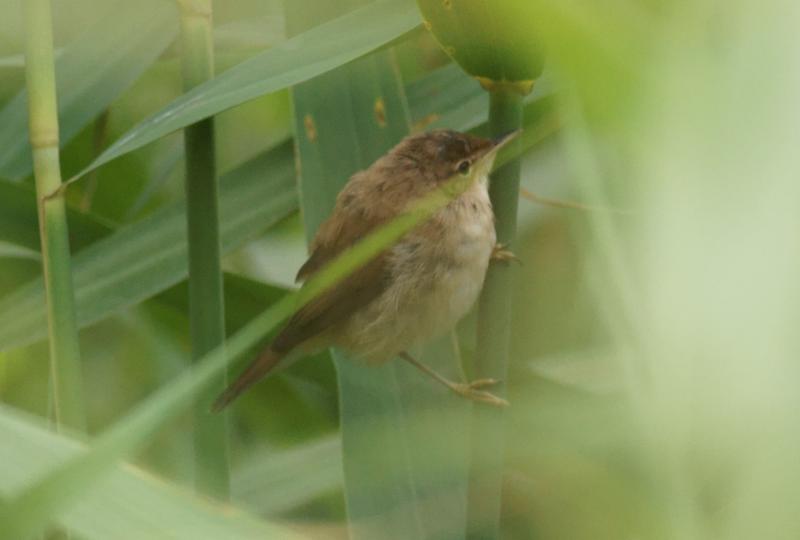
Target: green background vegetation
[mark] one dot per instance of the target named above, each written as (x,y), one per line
(653,368)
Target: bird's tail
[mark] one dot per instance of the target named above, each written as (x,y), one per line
(262,365)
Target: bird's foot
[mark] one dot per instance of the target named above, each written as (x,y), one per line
(500,253)
(473,391)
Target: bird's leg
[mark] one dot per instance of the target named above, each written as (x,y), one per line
(500,253)
(570,205)
(470,390)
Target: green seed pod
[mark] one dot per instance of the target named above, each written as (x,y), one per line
(495,41)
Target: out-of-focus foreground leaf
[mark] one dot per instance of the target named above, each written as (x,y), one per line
(128,504)
(91,73)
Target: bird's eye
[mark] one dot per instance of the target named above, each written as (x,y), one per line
(463,167)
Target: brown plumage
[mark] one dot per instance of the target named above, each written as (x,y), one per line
(418,288)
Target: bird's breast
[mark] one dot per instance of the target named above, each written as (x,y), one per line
(466,247)
(436,275)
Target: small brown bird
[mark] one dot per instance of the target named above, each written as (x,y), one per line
(413,291)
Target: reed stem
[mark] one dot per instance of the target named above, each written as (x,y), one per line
(65,362)
(494,322)
(206,304)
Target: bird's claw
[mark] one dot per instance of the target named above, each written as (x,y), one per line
(472,391)
(482,383)
(500,253)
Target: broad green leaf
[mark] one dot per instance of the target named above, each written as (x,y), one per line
(273,482)
(344,120)
(298,59)
(144,258)
(91,73)
(128,504)
(388,407)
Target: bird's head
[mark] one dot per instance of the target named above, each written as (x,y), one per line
(444,154)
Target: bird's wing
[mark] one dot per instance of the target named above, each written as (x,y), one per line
(350,221)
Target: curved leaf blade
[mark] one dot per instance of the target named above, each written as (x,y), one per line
(298,59)
(129,504)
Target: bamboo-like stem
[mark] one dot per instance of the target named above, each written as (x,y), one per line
(206,308)
(65,359)
(494,320)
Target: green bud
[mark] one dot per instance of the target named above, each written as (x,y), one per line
(495,41)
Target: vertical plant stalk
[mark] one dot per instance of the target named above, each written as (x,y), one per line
(65,360)
(206,308)
(494,321)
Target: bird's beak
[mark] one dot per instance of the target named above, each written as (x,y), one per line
(504,139)
(497,144)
